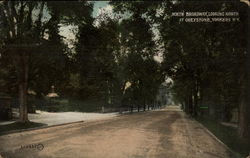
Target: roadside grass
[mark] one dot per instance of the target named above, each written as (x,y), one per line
(228,135)
(18,126)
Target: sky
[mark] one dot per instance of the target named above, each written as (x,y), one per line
(98,5)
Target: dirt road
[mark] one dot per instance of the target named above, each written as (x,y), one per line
(166,133)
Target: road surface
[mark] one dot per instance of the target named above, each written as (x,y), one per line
(167,133)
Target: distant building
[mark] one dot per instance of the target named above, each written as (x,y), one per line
(53,94)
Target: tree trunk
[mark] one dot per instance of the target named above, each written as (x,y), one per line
(23,88)
(23,102)
(120,106)
(195,102)
(186,103)
(144,104)
(244,117)
(190,104)
(244,110)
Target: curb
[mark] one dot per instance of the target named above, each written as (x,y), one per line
(214,137)
(37,128)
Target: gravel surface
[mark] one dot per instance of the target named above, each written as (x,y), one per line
(167,133)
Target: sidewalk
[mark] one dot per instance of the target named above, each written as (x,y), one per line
(57,118)
(52,118)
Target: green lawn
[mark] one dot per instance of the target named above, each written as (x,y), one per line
(18,126)
(228,135)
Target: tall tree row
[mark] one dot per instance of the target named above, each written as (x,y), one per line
(206,61)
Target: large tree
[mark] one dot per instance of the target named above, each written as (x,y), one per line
(207,61)
(30,33)
(139,48)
